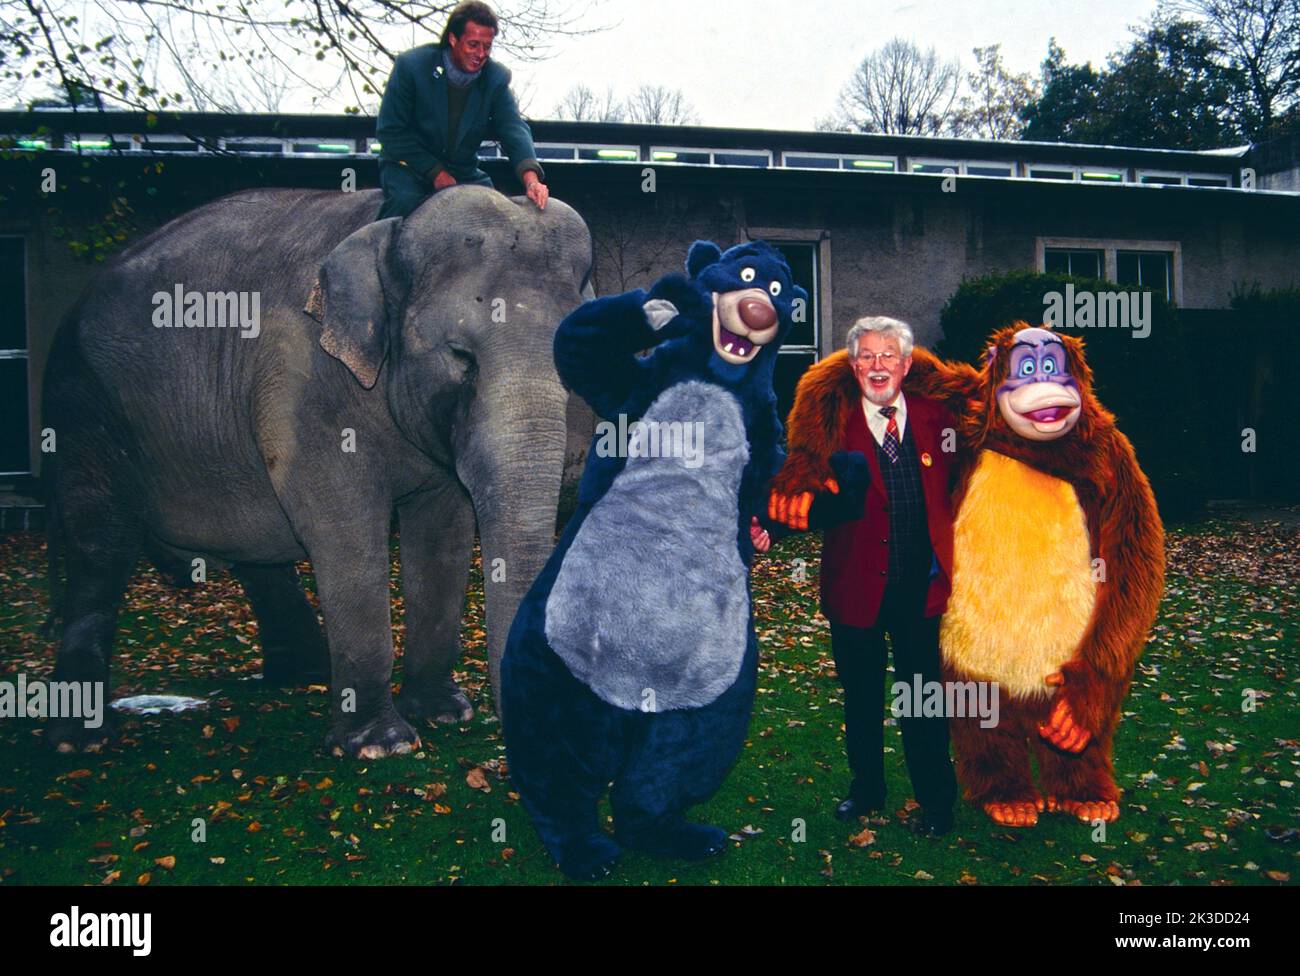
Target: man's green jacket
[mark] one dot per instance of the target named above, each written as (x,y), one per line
(412,124)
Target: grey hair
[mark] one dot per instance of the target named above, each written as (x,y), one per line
(884,325)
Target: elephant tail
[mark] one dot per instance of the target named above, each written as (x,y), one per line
(54,559)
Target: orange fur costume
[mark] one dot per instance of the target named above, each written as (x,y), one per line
(1058,569)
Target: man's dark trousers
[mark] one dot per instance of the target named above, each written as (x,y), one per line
(860,660)
(404,190)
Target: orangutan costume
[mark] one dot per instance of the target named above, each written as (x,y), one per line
(1058,561)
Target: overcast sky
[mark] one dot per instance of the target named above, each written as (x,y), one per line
(759,64)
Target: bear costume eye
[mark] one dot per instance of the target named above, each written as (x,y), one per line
(774,288)
(746,274)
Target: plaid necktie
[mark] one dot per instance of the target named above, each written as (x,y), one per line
(891,434)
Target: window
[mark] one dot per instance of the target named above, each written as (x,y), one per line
(1156,265)
(934,167)
(803,342)
(989,169)
(1048,173)
(14,457)
(1083,263)
(710,157)
(1150,269)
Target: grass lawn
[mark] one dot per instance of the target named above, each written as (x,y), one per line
(1209,788)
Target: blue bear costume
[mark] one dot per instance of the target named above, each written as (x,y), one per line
(632,659)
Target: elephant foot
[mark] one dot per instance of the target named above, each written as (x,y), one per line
(387,735)
(71,736)
(282,668)
(588,858)
(680,840)
(1087,811)
(445,704)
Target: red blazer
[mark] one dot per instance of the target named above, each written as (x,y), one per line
(855,555)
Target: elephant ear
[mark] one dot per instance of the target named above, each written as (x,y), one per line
(355,310)
(700,256)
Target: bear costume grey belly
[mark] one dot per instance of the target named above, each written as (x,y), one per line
(650,608)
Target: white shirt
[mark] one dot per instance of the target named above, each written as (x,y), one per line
(877,421)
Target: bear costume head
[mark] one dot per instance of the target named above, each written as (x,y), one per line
(734,309)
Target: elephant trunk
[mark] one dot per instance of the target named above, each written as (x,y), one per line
(513,470)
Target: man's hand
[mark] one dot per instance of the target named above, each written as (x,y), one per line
(1061,728)
(443,180)
(792,510)
(536,189)
(758,536)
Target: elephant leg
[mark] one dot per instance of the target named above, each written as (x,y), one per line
(294,651)
(352,576)
(102,532)
(437,541)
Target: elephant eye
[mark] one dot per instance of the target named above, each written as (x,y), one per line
(746,274)
(774,288)
(463,357)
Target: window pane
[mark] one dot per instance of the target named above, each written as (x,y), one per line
(1086,264)
(1056,262)
(802,258)
(789,367)
(13,408)
(1155,267)
(13,294)
(987,170)
(1126,268)
(812,162)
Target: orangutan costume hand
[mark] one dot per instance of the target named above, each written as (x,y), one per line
(1063,729)
(792,510)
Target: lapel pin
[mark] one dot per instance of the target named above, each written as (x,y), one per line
(926,459)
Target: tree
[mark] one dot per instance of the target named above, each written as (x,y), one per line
(657,105)
(898,89)
(1067,99)
(991,108)
(581,104)
(166,54)
(1258,41)
(1166,91)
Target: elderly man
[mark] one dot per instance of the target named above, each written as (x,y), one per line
(442,100)
(887,572)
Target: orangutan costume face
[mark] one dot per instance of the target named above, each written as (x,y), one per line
(1039,399)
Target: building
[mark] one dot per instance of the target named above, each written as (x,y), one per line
(871,224)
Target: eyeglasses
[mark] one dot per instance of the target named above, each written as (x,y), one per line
(885,359)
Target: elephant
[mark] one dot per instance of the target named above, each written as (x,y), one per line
(427,387)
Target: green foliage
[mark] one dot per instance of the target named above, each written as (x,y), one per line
(1268,333)
(1168,89)
(1147,383)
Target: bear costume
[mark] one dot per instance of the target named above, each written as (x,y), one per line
(632,660)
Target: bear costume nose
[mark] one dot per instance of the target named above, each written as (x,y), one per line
(757,314)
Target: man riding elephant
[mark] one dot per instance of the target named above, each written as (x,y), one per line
(299,438)
(442,100)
